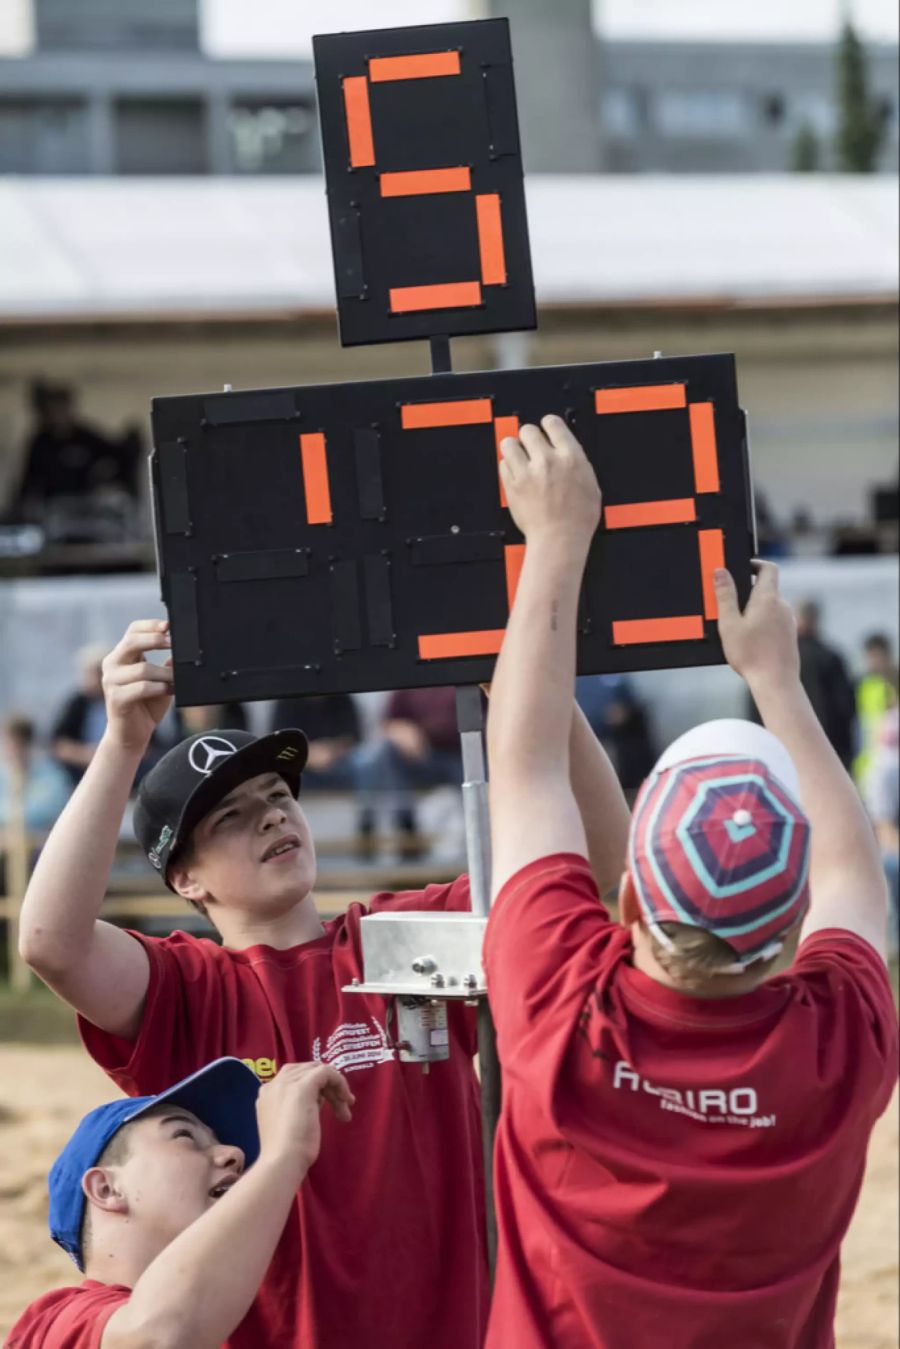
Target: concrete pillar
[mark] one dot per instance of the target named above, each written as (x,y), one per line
(555,54)
(101,133)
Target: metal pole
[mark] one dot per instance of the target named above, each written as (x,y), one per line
(470,720)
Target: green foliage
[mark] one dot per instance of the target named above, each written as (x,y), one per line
(807,153)
(860,126)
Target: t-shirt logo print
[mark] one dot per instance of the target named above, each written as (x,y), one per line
(205,754)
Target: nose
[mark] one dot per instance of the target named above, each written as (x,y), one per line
(228,1157)
(274,814)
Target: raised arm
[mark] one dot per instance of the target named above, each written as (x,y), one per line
(601,804)
(98,969)
(555,501)
(198,1290)
(847,885)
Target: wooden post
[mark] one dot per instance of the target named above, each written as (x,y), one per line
(17,857)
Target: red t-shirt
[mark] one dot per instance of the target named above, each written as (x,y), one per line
(672,1170)
(68,1318)
(385,1246)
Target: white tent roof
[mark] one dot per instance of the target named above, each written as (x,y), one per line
(107,247)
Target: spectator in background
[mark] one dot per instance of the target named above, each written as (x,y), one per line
(79,727)
(619,721)
(331,725)
(770,536)
(225,716)
(67,460)
(883,800)
(25,767)
(875,693)
(826,682)
(419,747)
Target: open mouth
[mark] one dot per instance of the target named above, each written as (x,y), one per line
(223,1187)
(285,847)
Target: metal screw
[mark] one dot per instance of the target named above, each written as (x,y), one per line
(437,980)
(354,980)
(424,964)
(452,981)
(470,981)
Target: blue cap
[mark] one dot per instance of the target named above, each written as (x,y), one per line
(222,1096)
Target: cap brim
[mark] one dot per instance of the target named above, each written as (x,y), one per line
(282,752)
(731,738)
(223,1097)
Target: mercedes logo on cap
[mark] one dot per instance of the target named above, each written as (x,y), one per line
(205,754)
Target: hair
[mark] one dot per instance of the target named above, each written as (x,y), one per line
(20,729)
(183,858)
(877,641)
(698,956)
(116,1153)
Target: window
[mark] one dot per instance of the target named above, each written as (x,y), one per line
(160,136)
(43,136)
(702,113)
(269,137)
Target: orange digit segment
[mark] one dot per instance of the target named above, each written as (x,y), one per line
(464,412)
(675,512)
(411,299)
(514,557)
(703,447)
(430,64)
(632,632)
(447,645)
(315,478)
(503,427)
(425,182)
(641,398)
(490,239)
(359,122)
(712,555)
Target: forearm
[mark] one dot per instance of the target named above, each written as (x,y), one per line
(531,704)
(197,1290)
(843,847)
(601,803)
(69,882)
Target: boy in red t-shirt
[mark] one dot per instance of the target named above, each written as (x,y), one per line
(153,1201)
(688,1094)
(385,1245)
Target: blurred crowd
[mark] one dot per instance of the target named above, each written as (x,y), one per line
(387,769)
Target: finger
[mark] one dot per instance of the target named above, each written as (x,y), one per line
(148,625)
(535,442)
(142,670)
(726,594)
(513,455)
(139,692)
(766,577)
(133,645)
(559,435)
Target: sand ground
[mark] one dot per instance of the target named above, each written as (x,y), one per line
(44,1090)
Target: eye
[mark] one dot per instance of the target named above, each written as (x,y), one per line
(229,815)
(280,794)
(184,1133)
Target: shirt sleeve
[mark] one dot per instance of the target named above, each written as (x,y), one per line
(452,898)
(547,939)
(850,982)
(183,1023)
(69,1318)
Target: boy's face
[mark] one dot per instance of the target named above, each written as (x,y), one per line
(253,852)
(175,1169)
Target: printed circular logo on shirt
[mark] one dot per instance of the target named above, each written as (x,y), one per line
(205,754)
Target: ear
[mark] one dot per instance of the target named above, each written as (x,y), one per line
(183,881)
(629,908)
(100,1190)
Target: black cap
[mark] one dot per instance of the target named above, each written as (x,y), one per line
(192,779)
